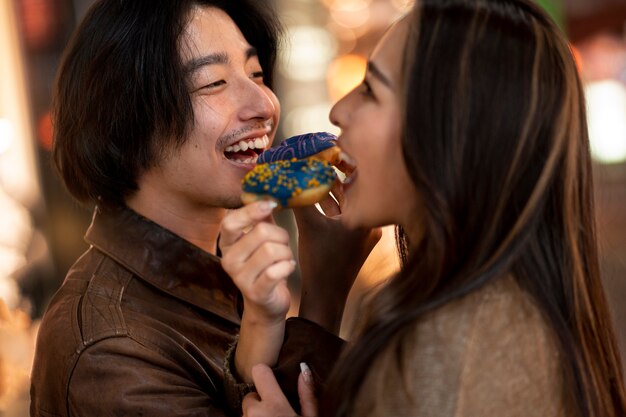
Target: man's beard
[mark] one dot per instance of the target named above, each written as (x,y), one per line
(232,202)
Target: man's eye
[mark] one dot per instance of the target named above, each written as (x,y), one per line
(215,84)
(258,74)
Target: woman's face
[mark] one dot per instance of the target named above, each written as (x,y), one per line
(379,191)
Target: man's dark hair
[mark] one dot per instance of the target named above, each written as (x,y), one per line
(121,96)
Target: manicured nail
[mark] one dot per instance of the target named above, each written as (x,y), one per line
(306,373)
(267,206)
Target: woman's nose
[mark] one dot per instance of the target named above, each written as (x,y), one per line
(334,115)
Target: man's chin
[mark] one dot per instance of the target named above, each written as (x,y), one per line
(234,203)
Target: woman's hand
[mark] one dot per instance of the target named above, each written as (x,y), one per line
(257,256)
(330,258)
(269,400)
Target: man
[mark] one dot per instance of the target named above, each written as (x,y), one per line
(149,96)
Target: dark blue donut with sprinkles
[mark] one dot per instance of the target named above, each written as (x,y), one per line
(299,147)
(292,183)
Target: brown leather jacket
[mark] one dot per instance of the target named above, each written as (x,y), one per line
(140,327)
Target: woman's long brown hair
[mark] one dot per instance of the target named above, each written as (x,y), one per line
(495,140)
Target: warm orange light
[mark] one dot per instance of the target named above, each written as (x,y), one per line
(40,22)
(344,74)
(44,130)
(577,58)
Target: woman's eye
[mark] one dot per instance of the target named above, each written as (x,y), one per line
(366,89)
(258,75)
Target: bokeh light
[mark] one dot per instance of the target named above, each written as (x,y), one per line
(344,74)
(309,119)
(7,135)
(309,53)
(350,13)
(403,5)
(606,106)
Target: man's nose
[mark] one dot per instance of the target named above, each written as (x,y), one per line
(256,102)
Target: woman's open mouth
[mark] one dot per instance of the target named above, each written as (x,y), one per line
(347,165)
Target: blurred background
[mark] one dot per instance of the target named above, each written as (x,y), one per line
(328,42)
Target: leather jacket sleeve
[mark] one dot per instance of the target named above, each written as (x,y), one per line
(306,341)
(140,381)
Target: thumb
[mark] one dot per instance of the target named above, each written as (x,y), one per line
(306,392)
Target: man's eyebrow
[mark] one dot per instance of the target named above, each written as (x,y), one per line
(376,72)
(195,64)
(251,52)
(218,58)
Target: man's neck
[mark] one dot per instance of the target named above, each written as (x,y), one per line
(198,225)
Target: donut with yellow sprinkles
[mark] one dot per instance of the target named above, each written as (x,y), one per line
(292,183)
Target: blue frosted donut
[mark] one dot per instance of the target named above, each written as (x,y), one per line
(300,147)
(294,183)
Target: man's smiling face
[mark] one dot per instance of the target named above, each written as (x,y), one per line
(235,115)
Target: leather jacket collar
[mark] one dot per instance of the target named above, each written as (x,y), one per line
(165,260)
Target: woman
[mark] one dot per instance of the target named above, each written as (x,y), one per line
(469,133)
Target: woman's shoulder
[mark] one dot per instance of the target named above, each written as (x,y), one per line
(488,353)
(498,350)
(499,308)
(499,324)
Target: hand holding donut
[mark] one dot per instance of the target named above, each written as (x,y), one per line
(257,256)
(323,241)
(325,289)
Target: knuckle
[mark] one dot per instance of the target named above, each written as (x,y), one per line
(263,230)
(267,250)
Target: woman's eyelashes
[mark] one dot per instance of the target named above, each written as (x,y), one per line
(366,89)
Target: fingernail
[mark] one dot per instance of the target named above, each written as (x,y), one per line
(306,372)
(267,206)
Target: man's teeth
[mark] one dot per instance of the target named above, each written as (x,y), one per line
(244,145)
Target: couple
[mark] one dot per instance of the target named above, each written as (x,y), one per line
(468,132)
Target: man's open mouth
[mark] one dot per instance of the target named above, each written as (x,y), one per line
(247,151)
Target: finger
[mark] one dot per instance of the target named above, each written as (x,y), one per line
(273,277)
(250,400)
(265,232)
(329,206)
(275,291)
(234,224)
(239,252)
(265,382)
(270,264)
(307,214)
(306,392)
(337,190)
(279,271)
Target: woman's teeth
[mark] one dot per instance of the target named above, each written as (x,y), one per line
(347,166)
(346,159)
(244,145)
